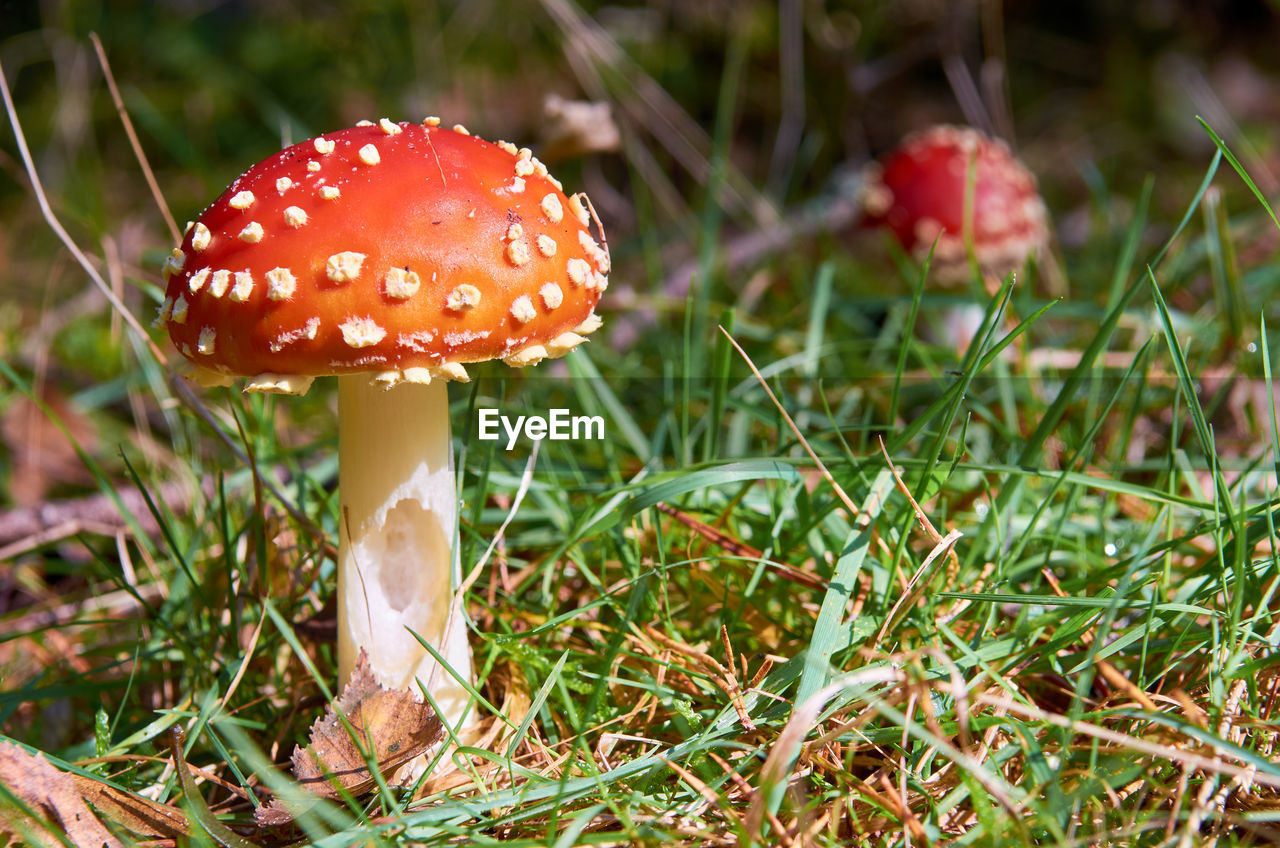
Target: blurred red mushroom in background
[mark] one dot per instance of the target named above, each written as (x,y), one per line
(919,193)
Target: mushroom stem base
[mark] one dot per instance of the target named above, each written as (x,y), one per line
(396,530)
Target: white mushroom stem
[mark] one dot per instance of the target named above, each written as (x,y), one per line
(395,561)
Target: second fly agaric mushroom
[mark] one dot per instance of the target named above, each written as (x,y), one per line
(918,193)
(391,255)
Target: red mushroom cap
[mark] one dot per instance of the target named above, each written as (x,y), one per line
(396,248)
(918,192)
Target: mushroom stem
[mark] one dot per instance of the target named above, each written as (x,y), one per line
(398,512)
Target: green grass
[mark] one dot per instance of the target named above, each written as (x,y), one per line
(689,634)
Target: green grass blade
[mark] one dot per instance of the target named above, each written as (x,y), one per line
(831,632)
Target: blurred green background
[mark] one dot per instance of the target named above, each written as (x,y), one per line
(1093,94)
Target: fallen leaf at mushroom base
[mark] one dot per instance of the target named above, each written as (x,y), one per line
(391,725)
(50,794)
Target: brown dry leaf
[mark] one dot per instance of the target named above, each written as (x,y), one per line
(53,795)
(135,813)
(390,724)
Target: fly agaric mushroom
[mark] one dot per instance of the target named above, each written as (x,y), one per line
(919,190)
(390,255)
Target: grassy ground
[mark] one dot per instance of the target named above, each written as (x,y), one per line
(827,580)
